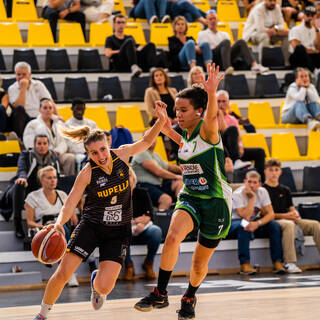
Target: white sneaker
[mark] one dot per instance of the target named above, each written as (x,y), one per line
(73,282)
(97,299)
(166,19)
(229,70)
(258,68)
(135,71)
(313,125)
(292,268)
(153,19)
(239,164)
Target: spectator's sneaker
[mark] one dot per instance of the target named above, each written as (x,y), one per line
(229,70)
(292,268)
(153,19)
(313,125)
(129,271)
(278,268)
(73,282)
(246,269)
(135,71)
(97,299)
(166,19)
(39,317)
(258,68)
(239,164)
(187,308)
(153,300)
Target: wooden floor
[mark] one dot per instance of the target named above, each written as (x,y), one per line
(281,304)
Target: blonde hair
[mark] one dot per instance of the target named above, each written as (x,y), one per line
(41,172)
(191,72)
(175,21)
(253,174)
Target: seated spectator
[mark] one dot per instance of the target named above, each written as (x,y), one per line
(248,5)
(152,10)
(43,206)
(122,52)
(30,161)
(24,97)
(48,124)
(223,54)
(287,215)
(63,9)
(301,103)
(195,76)
(305,42)
(78,108)
(187,9)
(4,103)
(291,11)
(253,216)
(232,141)
(162,180)
(317,17)
(183,49)
(143,232)
(97,10)
(160,90)
(265,24)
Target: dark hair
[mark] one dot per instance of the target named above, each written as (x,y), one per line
(197,96)
(167,81)
(273,162)
(41,135)
(77,101)
(119,15)
(107,133)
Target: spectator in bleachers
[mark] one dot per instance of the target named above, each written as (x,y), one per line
(152,10)
(291,11)
(97,10)
(30,161)
(4,103)
(187,9)
(49,124)
(305,42)
(143,232)
(232,141)
(317,17)
(123,54)
(160,90)
(183,49)
(301,104)
(287,216)
(223,53)
(253,216)
(77,120)
(196,74)
(24,97)
(162,179)
(265,24)
(248,5)
(63,9)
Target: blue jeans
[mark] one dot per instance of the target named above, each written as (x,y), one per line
(270,230)
(151,237)
(300,112)
(184,8)
(148,8)
(188,54)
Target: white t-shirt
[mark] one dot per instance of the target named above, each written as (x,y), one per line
(212,38)
(303,34)
(42,207)
(240,200)
(37,90)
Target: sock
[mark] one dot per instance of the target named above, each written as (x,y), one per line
(45,308)
(191,291)
(163,280)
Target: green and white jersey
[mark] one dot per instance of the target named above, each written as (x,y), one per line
(203,167)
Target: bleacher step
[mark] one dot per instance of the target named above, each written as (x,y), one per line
(20,278)
(9,242)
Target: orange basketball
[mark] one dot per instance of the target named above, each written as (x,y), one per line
(48,246)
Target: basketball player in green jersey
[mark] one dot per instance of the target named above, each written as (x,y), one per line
(204,201)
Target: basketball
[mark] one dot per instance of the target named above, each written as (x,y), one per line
(48,246)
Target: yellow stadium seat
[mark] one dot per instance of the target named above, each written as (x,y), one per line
(284,147)
(3,12)
(130,117)
(10,35)
(24,10)
(159,34)
(223,26)
(228,10)
(71,35)
(255,140)
(99,115)
(313,145)
(65,113)
(234,108)
(193,29)
(40,35)
(11,146)
(289,125)
(118,6)
(134,29)
(160,149)
(203,5)
(240,30)
(99,32)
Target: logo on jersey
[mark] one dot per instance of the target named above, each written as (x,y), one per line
(113,214)
(202,181)
(120,174)
(189,169)
(102,181)
(113,190)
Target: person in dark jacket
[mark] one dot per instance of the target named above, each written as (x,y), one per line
(183,49)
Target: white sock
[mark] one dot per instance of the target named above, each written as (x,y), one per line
(45,308)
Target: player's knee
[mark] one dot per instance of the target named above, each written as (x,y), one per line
(172,238)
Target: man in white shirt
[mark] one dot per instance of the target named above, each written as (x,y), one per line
(223,53)
(24,96)
(305,42)
(265,24)
(97,10)
(252,215)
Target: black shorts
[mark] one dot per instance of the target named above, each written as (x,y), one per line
(113,242)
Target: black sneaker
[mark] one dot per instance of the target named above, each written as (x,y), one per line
(187,308)
(153,300)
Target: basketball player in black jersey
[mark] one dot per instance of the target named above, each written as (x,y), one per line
(107,213)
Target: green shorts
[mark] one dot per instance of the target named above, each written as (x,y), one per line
(213,216)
